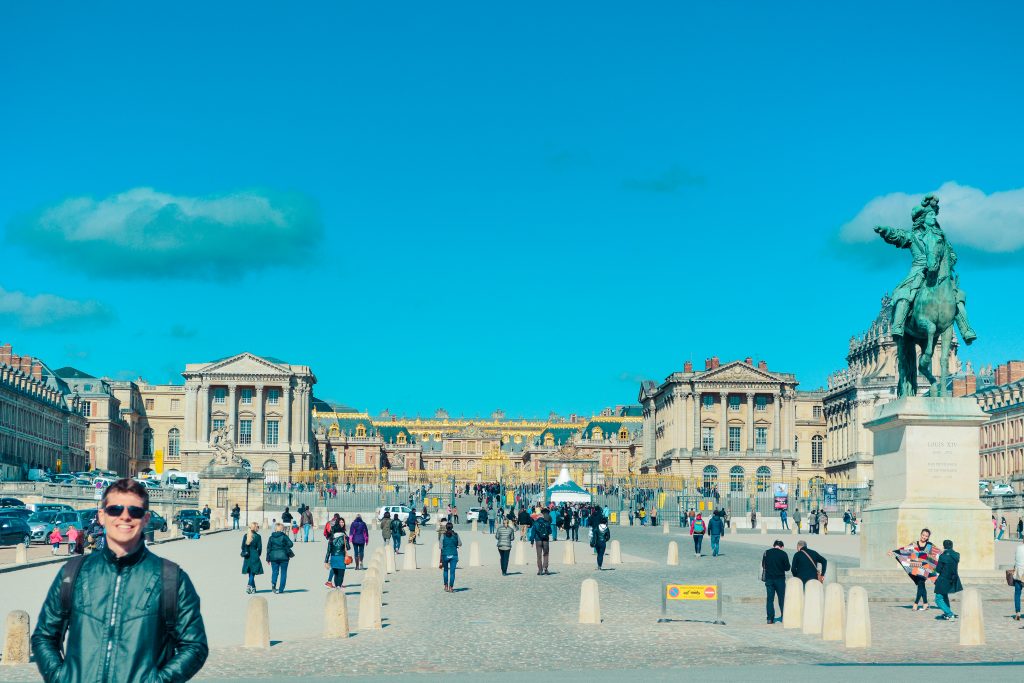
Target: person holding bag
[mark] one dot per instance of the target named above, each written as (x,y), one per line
(279,551)
(252,546)
(337,557)
(805,563)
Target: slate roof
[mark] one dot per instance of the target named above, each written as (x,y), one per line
(69,372)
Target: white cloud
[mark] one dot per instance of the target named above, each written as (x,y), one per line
(142,232)
(49,311)
(992,223)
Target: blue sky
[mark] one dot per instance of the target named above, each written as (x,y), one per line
(475,206)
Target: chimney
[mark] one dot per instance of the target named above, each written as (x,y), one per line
(26,364)
(688,366)
(16,361)
(762,365)
(714,362)
(972,384)
(708,365)
(959,387)
(37,369)
(748,360)
(1002,375)
(1015,369)
(5,354)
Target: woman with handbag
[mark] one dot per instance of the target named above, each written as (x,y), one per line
(279,551)
(337,556)
(252,546)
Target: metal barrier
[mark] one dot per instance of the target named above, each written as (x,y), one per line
(681,591)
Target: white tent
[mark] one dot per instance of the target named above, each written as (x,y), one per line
(565,490)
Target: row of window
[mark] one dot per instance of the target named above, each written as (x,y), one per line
(245,395)
(272,437)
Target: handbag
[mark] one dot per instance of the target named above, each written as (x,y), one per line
(348,559)
(820,575)
(1009,577)
(245,551)
(291,553)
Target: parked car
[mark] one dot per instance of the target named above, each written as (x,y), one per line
(400,511)
(158,523)
(150,484)
(204,521)
(42,523)
(86,516)
(11,503)
(63,478)
(473,515)
(50,507)
(20,513)
(14,530)
(1002,490)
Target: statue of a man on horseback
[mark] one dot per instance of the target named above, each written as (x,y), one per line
(927,301)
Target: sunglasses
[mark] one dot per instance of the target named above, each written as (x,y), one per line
(134,511)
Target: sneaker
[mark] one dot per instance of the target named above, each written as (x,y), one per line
(329,584)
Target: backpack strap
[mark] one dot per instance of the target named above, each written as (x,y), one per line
(67,585)
(170,573)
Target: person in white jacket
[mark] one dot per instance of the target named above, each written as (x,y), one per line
(1018,579)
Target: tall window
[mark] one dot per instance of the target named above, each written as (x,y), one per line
(707,438)
(760,403)
(796,443)
(87,408)
(360,430)
(150,404)
(457,447)
(174,444)
(760,439)
(175,405)
(401,438)
(272,432)
(736,479)
(816,411)
(764,475)
(734,403)
(244,432)
(734,439)
(218,423)
(273,396)
(220,395)
(271,471)
(246,395)
(817,444)
(710,477)
(147,443)
(709,400)
(360,456)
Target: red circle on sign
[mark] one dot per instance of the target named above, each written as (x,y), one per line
(709,592)
(673,591)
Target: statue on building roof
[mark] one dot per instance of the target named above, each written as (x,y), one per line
(927,302)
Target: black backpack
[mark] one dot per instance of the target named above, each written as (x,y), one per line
(543,529)
(169,575)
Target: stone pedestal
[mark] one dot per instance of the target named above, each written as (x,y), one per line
(926,476)
(234,480)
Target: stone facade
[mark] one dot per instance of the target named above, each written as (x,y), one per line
(108,435)
(727,422)
(1001,454)
(263,405)
(856,393)
(163,406)
(41,421)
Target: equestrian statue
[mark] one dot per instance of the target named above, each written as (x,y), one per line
(927,302)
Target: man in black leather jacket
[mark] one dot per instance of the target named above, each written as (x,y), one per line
(116,624)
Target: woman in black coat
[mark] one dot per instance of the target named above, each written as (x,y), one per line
(252,546)
(948,569)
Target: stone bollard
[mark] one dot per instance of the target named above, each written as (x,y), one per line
(624,518)
(664,528)
(336,615)
(569,553)
(474,554)
(373,578)
(17,647)
(764,526)
(590,602)
(834,616)
(474,525)
(858,619)
(519,558)
(409,563)
(369,607)
(435,555)
(389,559)
(814,605)
(257,624)
(793,612)
(673,554)
(615,554)
(794,530)
(832,574)
(972,618)
(21,554)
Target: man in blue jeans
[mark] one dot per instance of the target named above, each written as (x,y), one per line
(716,528)
(307,523)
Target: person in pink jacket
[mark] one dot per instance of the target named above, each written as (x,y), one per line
(73,536)
(55,539)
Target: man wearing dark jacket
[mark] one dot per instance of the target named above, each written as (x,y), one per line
(716,527)
(805,563)
(524,522)
(948,569)
(541,534)
(121,628)
(774,565)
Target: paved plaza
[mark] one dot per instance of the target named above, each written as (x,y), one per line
(526,624)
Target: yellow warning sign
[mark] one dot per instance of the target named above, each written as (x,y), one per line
(679,591)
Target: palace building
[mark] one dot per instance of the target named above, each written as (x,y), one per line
(1002,438)
(737,422)
(41,420)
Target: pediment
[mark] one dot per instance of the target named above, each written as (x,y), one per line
(244,364)
(738,372)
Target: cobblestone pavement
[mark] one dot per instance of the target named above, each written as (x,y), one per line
(526,624)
